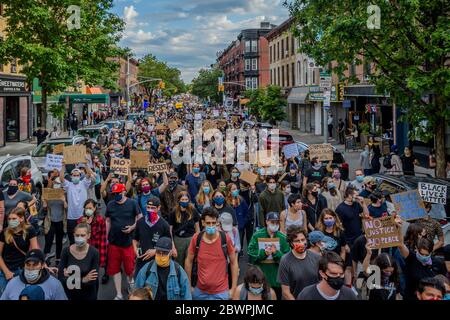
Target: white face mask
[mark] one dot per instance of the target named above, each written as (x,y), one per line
(273,227)
(287,190)
(272,186)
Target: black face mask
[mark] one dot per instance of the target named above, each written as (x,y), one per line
(172,184)
(336,283)
(12,190)
(315,194)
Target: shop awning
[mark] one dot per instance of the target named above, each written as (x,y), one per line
(85,98)
(298,95)
(93,90)
(363,91)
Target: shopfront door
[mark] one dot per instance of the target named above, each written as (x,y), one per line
(12,119)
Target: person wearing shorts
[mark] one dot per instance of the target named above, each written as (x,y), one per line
(121,216)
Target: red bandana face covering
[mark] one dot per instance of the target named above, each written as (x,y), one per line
(299,247)
(26,178)
(153,216)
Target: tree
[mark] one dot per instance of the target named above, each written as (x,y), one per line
(267,103)
(206,84)
(38,35)
(151,67)
(410,52)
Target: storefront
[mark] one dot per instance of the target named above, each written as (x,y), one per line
(15,99)
(304,113)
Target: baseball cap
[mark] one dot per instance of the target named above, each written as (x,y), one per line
(226,220)
(35,255)
(315,237)
(273,216)
(369,180)
(118,188)
(164,244)
(173,175)
(154,201)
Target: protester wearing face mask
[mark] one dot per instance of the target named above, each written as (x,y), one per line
(255,287)
(194,180)
(203,198)
(298,268)
(165,277)
(149,192)
(314,204)
(364,161)
(294,179)
(184,223)
(241,211)
(331,287)
(170,195)
(211,250)
(234,177)
(419,264)
(319,242)
(316,173)
(272,252)
(98,236)
(34,273)
(358,183)
(330,192)
(148,230)
(331,226)
(226,225)
(87,260)
(270,200)
(336,177)
(15,240)
(99,170)
(55,222)
(76,191)
(377,208)
(12,196)
(220,204)
(121,216)
(295,215)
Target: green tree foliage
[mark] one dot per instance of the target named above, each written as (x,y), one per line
(267,103)
(151,67)
(410,51)
(46,48)
(206,85)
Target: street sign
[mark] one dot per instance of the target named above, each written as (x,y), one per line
(346,104)
(327,100)
(325,80)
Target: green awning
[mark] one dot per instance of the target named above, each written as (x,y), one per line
(37,94)
(85,98)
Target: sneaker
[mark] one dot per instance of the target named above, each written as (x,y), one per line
(118,298)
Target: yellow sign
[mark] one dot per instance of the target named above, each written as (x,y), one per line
(221,88)
(179,105)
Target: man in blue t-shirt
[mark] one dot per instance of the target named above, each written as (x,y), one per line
(148,192)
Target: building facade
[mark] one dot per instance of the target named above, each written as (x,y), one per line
(245,62)
(15,99)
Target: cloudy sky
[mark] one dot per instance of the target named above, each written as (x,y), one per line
(188,33)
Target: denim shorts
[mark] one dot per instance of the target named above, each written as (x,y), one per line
(200,295)
(4,282)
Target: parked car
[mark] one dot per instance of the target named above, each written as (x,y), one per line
(10,167)
(93,131)
(284,138)
(338,159)
(264,125)
(397,184)
(112,124)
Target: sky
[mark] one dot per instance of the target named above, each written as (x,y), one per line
(187,34)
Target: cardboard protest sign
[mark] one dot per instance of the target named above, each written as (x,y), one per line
(52,194)
(120,166)
(248,177)
(291,150)
(265,158)
(433,193)
(58,149)
(409,205)
(264,243)
(75,154)
(382,232)
(129,125)
(53,161)
(322,151)
(158,168)
(139,159)
(161,127)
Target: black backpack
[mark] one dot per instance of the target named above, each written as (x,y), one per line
(387,162)
(223,241)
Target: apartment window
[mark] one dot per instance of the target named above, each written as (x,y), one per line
(282,48)
(14,66)
(254,83)
(299,66)
(282,76)
(353,69)
(279,83)
(254,45)
(1,40)
(248,63)
(293,74)
(271,76)
(248,46)
(287,75)
(255,64)
(293,45)
(270,54)
(313,80)
(287,47)
(278,51)
(248,83)
(305,71)
(367,70)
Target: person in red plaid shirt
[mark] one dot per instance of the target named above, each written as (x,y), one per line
(98,239)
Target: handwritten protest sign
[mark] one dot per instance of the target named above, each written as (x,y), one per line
(58,149)
(268,243)
(409,205)
(75,154)
(120,166)
(157,168)
(52,194)
(248,177)
(322,151)
(139,159)
(290,150)
(382,232)
(129,125)
(161,127)
(433,193)
(53,161)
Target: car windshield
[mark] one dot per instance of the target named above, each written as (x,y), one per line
(93,133)
(43,149)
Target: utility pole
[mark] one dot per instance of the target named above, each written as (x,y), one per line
(128,83)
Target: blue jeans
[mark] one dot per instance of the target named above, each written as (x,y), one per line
(4,282)
(200,295)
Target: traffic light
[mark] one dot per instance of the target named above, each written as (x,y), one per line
(341,92)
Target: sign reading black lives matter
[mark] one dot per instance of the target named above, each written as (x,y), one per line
(433,193)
